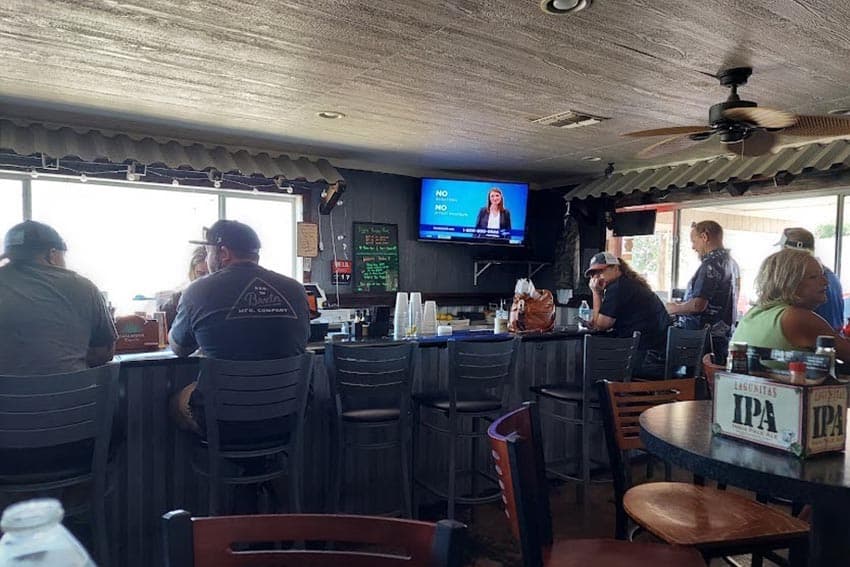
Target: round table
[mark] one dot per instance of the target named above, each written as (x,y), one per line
(680,433)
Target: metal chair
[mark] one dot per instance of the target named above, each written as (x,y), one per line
(604,358)
(268,397)
(518,453)
(715,522)
(55,414)
(208,542)
(371,387)
(685,349)
(478,375)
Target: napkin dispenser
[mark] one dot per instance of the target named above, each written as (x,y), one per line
(136,333)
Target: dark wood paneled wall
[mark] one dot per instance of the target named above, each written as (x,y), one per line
(440,270)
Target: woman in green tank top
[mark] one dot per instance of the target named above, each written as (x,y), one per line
(790,285)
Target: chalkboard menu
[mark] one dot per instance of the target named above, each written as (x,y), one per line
(375,257)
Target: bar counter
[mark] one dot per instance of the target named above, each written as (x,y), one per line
(154,472)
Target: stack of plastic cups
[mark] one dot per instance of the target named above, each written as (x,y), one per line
(429,318)
(415,318)
(401,317)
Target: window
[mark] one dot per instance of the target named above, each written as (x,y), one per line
(751,231)
(274,222)
(651,256)
(11,205)
(132,239)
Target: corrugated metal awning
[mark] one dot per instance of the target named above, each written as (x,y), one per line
(93,145)
(794,160)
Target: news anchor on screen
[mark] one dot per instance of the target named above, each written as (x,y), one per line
(494,215)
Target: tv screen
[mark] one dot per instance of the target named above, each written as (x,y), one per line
(485,212)
(634,223)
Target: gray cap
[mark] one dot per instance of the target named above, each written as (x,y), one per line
(797,237)
(31,236)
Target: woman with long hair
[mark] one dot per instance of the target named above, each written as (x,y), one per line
(493,215)
(624,303)
(790,284)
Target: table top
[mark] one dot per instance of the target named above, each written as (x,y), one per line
(681,434)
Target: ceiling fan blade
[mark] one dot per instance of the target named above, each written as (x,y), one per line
(813,125)
(667,146)
(758,143)
(672,131)
(760,116)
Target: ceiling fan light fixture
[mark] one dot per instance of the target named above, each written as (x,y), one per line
(563,7)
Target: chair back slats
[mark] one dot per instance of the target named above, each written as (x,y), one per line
(685,348)
(48,410)
(370,376)
(409,543)
(518,456)
(608,358)
(478,366)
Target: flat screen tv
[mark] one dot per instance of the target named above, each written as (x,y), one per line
(634,223)
(459,210)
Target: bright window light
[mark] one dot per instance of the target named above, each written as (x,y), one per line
(11,205)
(274,222)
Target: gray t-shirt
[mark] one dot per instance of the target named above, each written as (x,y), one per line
(49,317)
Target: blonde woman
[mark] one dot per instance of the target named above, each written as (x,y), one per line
(790,285)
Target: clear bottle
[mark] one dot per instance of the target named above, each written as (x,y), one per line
(584,313)
(35,537)
(826,345)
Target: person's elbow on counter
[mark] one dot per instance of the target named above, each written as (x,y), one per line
(178,349)
(100,355)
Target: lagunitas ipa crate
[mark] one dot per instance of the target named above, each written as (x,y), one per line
(801,420)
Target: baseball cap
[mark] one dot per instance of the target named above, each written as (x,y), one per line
(796,238)
(230,233)
(601,261)
(31,236)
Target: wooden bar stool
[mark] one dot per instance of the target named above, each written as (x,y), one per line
(518,454)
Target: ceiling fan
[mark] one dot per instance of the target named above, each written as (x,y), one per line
(742,126)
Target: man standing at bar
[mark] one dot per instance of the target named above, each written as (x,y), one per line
(240,311)
(711,297)
(52,320)
(833,310)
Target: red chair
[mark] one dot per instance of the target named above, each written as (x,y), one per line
(518,453)
(209,542)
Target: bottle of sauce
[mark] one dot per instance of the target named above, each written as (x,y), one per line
(736,361)
(798,373)
(845,330)
(826,345)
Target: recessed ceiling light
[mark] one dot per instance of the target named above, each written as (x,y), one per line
(591,158)
(562,7)
(839,111)
(330,114)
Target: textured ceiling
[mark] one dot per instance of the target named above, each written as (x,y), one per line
(426,85)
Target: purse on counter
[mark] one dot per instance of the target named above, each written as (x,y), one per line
(532,309)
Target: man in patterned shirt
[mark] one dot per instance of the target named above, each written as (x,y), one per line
(711,297)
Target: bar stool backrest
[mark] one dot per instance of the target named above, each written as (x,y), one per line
(38,412)
(246,391)
(481,367)
(518,454)
(685,348)
(607,358)
(370,376)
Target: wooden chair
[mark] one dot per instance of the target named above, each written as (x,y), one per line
(708,369)
(58,416)
(371,388)
(715,522)
(575,404)
(209,542)
(518,454)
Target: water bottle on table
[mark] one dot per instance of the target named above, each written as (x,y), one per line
(584,314)
(34,537)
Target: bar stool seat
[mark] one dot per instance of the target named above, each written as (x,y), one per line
(567,392)
(372,415)
(465,402)
(615,553)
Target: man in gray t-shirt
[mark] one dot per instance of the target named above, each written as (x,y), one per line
(52,320)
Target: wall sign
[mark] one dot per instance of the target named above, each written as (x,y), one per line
(307,241)
(376,258)
(341,272)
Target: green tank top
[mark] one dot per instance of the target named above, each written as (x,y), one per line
(762,327)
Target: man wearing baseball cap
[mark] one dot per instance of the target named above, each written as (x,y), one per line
(52,320)
(240,311)
(833,310)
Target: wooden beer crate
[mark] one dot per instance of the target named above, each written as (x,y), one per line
(801,420)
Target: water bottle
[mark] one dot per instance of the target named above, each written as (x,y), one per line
(584,313)
(35,537)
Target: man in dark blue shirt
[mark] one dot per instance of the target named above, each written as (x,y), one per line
(240,311)
(833,310)
(711,297)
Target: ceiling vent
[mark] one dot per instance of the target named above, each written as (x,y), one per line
(568,119)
